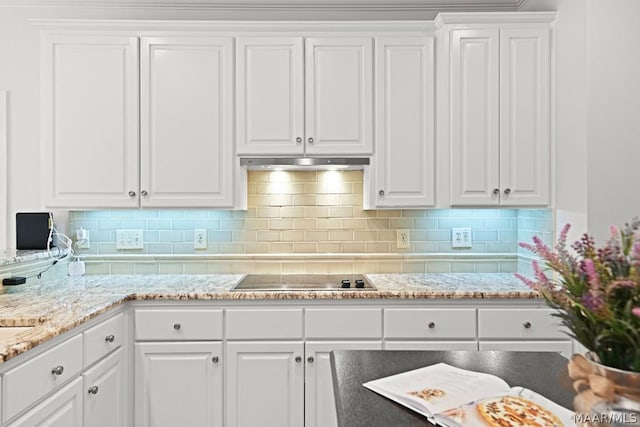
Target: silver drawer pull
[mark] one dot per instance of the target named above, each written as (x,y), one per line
(93,390)
(110,338)
(310,359)
(177,326)
(431,325)
(58,370)
(298,359)
(527,325)
(215,359)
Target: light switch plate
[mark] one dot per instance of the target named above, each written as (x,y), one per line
(129,239)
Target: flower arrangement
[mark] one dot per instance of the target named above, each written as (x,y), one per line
(596,291)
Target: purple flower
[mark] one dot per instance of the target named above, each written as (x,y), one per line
(593,300)
(636,311)
(613,230)
(530,283)
(543,280)
(590,269)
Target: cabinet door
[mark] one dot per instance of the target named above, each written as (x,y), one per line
(270,95)
(178,384)
(563,347)
(339,92)
(104,396)
(63,409)
(89,121)
(265,384)
(524,117)
(475,143)
(186,122)
(320,406)
(404,161)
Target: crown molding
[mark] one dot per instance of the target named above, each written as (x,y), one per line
(283,5)
(449,18)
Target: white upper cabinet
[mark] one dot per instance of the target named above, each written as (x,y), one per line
(309,96)
(404,160)
(89,120)
(500,114)
(524,116)
(186,122)
(270,95)
(339,101)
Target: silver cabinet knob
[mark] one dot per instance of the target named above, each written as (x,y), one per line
(310,140)
(132,194)
(93,390)
(110,338)
(496,191)
(507,191)
(298,140)
(431,325)
(177,326)
(298,359)
(144,192)
(381,193)
(310,359)
(58,370)
(527,325)
(215,359)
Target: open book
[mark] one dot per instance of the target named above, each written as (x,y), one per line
(451,396)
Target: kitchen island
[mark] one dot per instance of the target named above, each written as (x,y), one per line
(545,373)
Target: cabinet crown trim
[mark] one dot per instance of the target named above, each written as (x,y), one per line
(494,18)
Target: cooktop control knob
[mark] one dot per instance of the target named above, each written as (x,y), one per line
(359,283)
(346,283)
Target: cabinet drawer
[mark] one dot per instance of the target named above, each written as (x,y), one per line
(102,339)
(343,323)
(178,325)
(430,323)
(431,345)
(565,347)
(521,323)
(264,323)
(35,378)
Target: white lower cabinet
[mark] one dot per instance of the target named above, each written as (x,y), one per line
(62,409)
(264,384)
(431,345)
(319,401)
(104,397)
(565,347)
(178,384)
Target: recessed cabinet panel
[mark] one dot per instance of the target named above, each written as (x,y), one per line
(518,324)
(270,95)
(320,407)
(475,139)
(104,397)
(178,384)
(524,116)
(89,120)
(339,104)
(186,121)
(565,348)
(430,323)
(404,160)
(265,384)
(62,409)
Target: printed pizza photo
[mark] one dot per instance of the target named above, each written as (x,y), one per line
(429,393)
(507,411)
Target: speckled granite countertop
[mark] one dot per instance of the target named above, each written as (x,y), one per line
(56,306)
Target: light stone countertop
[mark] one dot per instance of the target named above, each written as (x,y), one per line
(56,306)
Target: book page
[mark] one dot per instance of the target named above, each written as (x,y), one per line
(518,407)
(438,387)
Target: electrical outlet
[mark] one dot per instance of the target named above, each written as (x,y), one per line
(129,239)
(200,239)
(460,237)
(402,239)
(82,239)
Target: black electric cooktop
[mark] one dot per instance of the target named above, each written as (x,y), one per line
(307,282)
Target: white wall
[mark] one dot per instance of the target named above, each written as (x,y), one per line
(614,113)
(570,121)
(3,169)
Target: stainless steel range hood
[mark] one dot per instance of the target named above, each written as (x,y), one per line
(304,163)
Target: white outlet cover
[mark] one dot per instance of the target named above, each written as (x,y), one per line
(461,238)
(129,239)
(200,239)
(403,239)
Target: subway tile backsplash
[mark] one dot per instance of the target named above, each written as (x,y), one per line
(316,213)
